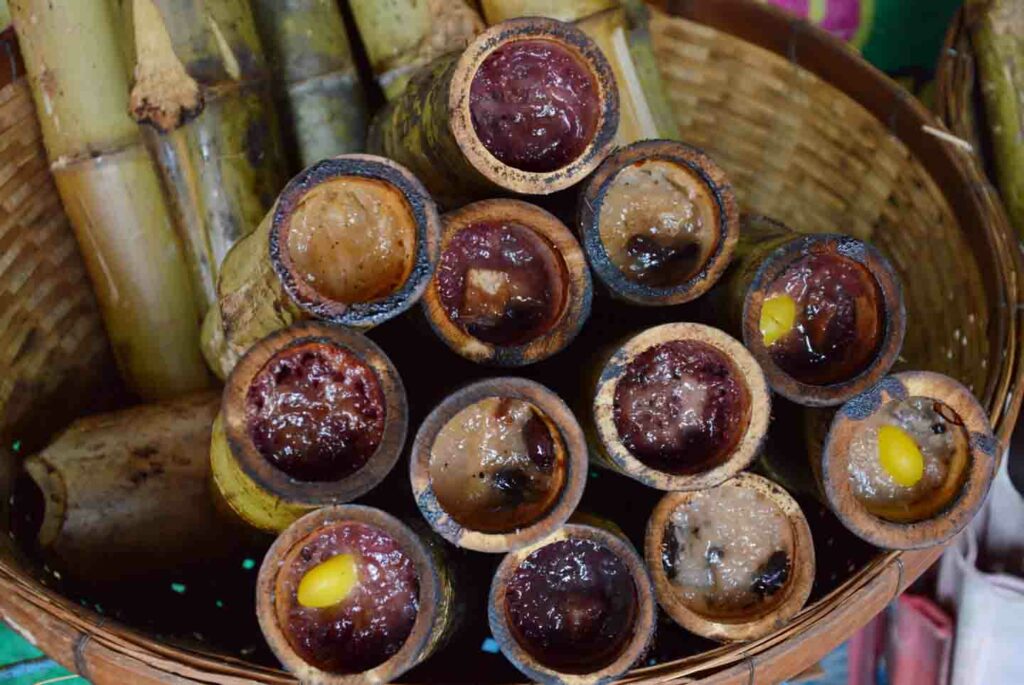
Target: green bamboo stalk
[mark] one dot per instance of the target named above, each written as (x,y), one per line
(998,35)
(400,36)
(318,89)
(111,192)
(201,83)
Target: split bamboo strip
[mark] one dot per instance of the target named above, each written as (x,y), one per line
(202,84)
(112,194)
(400,36)
(320,98)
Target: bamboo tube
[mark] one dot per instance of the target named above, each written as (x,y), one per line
(662,448)
(201,85)
(312,415)
(488,504)
(400,36)
(588,624)
(319,94)
(744,527)
(124,495)
(957,454)
(303,262)
(839,337)
(641,94)
(493,305)
(410,567)
(659,222)
(997,32)
(451,125)
(111,193)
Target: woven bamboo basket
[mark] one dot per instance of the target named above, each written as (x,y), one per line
(809,133)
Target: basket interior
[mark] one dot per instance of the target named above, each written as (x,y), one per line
(796,148)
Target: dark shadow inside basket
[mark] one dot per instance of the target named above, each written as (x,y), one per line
(796,149)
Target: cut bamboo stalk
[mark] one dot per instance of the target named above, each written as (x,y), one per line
(997,30)
(400,36)
(488,504)
(659,222)
(304,261)
(930,510)
(111,193)
(125,495)
(812,353)
(320,98)
(622,40)
(453,128)
(772,523)
(661,447)
(575,608)
(512,286)
(410,567)
(201,85)
(312,415)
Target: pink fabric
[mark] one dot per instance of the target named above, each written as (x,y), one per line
(865,649)
(921,643)
(841,17)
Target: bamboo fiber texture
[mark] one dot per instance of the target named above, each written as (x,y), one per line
(815,137)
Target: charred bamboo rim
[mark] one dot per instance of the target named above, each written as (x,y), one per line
(427,229)
(267,476)
(461,121)
(796,590)
(431,594)
(726,231)
(749,374)
(643,631)
(965,503)
(894,317)
(558,417)
(576,275)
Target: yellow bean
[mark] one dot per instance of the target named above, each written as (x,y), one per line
(900,456)
(329,582)
(778,317)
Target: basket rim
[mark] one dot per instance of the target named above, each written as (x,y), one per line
(105,651)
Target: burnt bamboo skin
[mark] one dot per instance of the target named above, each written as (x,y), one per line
(737,402)
(436,615)
(125,495)
(471,303)
(268,468)
(626,647)
(283,271)
(946,509)
(319,96)
(640,256)
(400,36)
(496,507)
(621,34)
(768,253)
(431,128)
(201,90)
(760,620)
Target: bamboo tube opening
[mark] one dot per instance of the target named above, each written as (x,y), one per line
(749,537)
(659,222)
(397,588)
(312,415)
(824,316)
(576,607)
(498,465)
(681,407)
(354,239)
(505,133)
(512,285)
(865,478)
